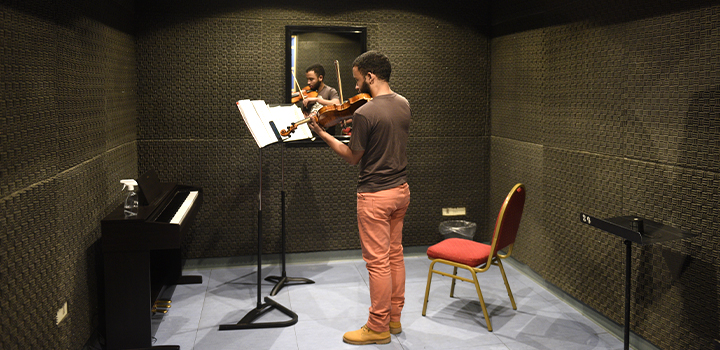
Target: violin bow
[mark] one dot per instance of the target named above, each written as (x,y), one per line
(302,97)
(337,69)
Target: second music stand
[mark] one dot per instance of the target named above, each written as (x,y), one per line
(283,279)
(262,308)
(638,230)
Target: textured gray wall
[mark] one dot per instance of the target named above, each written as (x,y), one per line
(195,63)
(68,116)
(612,109)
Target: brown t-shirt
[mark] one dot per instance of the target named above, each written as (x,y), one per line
(381,128)
(327,93)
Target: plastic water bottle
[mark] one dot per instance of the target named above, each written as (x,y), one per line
(131,201)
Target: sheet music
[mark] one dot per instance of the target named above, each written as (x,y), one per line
(263,110)
(255,123)
(258,115)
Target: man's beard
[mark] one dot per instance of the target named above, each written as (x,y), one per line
(365,88)
(315,86)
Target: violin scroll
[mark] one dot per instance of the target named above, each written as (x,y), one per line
(290,129)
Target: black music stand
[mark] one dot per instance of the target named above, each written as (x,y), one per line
(262,308)
(640,231)
(283,280)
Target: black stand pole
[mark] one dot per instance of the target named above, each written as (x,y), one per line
(628,261)
(283,280)
(262,308)
(634,229)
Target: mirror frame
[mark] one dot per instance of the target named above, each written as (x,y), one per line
(294,30)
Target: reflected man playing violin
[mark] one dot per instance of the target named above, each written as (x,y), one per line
(327,95)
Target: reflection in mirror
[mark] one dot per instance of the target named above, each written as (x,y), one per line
(309,45)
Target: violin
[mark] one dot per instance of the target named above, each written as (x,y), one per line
(331,114)
(303,94)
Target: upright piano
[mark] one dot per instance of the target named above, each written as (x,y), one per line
(142,261)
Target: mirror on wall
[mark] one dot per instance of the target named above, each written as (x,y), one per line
(308,45)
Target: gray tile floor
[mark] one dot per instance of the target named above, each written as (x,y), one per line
(338,302)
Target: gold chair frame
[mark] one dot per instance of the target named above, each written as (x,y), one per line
(493,260)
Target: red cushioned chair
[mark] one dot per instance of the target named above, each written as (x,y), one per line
(477,257)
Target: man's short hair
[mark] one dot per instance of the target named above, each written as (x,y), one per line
(317,68)
(374,62)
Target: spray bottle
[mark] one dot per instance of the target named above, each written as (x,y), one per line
(131,201)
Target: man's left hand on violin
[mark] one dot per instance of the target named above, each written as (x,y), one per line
(314,126)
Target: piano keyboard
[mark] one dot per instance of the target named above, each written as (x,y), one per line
(182,211)
(178,207)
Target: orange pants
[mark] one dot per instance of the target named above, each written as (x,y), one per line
(380,218)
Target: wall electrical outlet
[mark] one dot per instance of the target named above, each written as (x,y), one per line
(453,211)
(62,313)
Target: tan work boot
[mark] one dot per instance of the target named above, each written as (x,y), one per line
(395,327)
(365,335)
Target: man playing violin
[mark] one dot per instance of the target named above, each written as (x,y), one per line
(327,95)
(378,144)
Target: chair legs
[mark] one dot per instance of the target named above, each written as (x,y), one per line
(454,276)
(507,285)
(482,301)
(427,289)
(452,284)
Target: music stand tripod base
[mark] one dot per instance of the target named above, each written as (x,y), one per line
(247,321)
(262,308)
(283,280)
